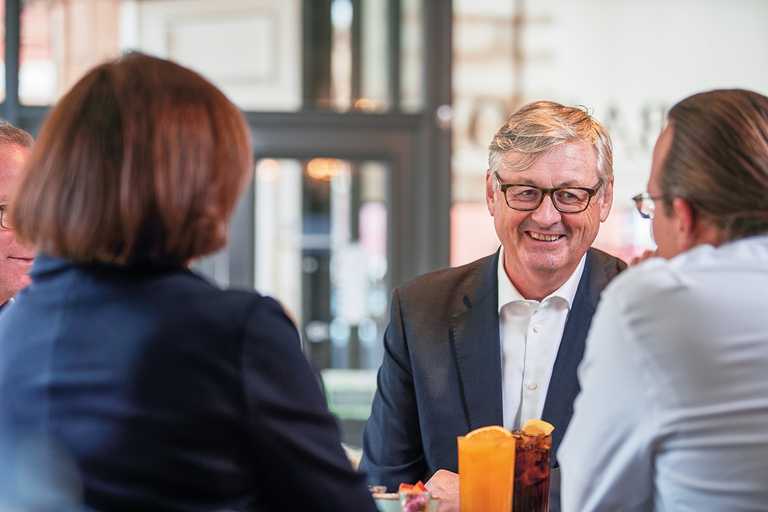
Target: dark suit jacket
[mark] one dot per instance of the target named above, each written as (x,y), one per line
(154,390)
(441,374)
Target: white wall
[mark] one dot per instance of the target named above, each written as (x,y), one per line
(628,61)
(630,54)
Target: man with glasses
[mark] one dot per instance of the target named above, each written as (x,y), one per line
(674,402)
(15,258)
(497,341)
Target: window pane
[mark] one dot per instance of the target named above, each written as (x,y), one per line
(412,54)
(61,40)
(378,89)
(260,52)
(321,250)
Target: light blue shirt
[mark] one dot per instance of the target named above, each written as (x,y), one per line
(673,413)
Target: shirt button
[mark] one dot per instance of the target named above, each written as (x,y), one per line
(532,387)
(536,329)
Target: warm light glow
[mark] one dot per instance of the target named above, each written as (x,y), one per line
(267,170)
(367,105)
(323,169)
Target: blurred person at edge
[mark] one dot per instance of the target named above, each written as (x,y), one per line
(674,402)
(498,341)
(15,258)
(147,387)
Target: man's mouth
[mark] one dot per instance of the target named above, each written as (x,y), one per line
(544,237)
(21,259)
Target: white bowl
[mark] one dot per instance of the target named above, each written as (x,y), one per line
(390,502)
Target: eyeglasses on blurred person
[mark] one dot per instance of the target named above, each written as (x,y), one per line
(645,204)
(149,387)
(5,218)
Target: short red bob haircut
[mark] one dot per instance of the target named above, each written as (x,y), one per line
(141,162)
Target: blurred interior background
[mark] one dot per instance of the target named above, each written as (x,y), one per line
(371,120)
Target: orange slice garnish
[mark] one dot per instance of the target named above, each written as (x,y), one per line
(538,428)
(416,488)
(489,433)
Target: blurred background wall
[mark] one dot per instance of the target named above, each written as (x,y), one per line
(371,119)
(626,61)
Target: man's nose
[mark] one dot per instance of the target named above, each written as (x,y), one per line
(546,214)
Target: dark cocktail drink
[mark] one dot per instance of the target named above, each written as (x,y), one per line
(531,491)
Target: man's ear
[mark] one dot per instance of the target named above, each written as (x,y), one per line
(685,224)
(490,196)
(607,201)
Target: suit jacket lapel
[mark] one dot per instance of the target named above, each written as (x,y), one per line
(564,383)
(476,346)
(474,338)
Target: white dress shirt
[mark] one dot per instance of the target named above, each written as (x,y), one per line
(673,412)
(530,333)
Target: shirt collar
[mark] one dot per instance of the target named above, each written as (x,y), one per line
(508,293)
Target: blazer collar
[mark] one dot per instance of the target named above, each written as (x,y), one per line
(474,338)
(46,264)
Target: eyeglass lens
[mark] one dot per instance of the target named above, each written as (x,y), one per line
(565,199)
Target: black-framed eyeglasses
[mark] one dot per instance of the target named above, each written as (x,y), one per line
(646,204)
(527,198)
(5,221)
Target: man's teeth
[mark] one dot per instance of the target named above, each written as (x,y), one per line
(543,237)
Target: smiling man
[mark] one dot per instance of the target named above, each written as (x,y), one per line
(497,341)
(15,259)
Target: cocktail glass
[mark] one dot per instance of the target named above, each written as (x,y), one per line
(532,470)
(486,473)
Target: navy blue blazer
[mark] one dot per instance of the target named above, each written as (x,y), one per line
(441,374)
(151,389)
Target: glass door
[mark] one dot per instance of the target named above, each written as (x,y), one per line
(321,249)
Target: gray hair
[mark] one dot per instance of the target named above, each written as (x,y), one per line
(542,125)
(13,135)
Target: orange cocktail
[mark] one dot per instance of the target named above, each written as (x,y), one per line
(486,470)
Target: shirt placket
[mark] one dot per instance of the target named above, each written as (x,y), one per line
(517,316)
(535,355)
(526,310)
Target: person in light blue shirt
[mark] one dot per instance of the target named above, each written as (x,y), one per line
(674,403)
